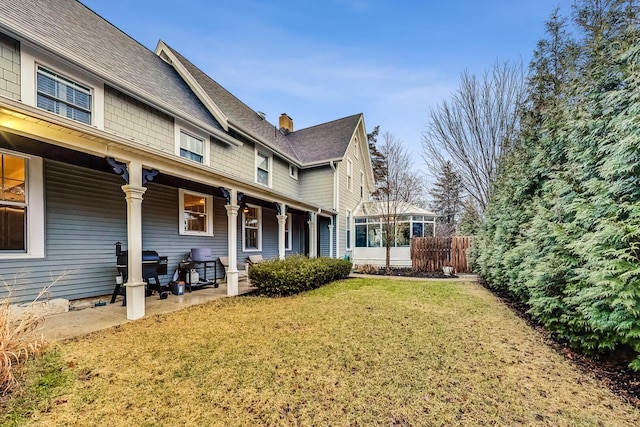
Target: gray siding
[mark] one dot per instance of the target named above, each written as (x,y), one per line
(81,229)
(160,213)
(317,185)
(235,161)
(323,236)
(282,181)
(9,67)
(125,116)
(270,236)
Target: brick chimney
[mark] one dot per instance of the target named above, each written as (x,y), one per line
(286,123)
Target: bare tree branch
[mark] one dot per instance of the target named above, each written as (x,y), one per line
(476,127)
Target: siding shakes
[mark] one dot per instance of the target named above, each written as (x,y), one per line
(9,67)
(317,184)
(235,161)
(125,116)
(281,179)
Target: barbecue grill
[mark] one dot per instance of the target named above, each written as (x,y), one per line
(152,266)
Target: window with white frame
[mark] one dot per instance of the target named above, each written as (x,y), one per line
(252,228)
(293,171)
(349,175)
(361,184)
(349,229)
(21,206)
(13,203)
(287,232)
(263,168)
(63,96)
(196,213)
(191,147)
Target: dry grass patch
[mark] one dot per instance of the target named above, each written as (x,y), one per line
(359,352)
(19,338)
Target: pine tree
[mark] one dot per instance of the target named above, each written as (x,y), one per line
(378,161)
(446,199)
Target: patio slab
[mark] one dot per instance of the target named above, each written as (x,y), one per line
(75,323)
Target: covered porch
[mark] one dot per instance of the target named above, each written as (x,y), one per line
(98,189)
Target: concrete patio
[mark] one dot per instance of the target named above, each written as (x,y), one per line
(85,317)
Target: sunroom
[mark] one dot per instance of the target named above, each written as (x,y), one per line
(370,237)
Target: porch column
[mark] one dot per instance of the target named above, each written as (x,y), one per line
(134,287)
(232,244)
(331,238)
(282,224)
(313,236)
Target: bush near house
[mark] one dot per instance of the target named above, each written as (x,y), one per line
(297,274)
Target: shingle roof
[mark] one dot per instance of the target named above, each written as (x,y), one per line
(327,141)
(315,144)
(73,31)
(238,113)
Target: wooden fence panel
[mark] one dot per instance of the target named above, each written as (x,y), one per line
(433,253)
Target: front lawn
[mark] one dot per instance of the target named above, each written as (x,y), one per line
(359,352)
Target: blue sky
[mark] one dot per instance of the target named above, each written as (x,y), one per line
(326,59)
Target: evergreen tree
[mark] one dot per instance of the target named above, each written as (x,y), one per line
(446,199)
(378,161)
(562,229)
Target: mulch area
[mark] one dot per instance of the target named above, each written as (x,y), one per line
(611,370)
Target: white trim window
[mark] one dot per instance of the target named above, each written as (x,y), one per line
(21,206)
(191,147)
(293,171)
(252,228)
(263,168)
(349,228)
(196,213)
(63,96)
(361,184)
(287,232)
(349,175)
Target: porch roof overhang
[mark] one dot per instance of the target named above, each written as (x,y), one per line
(34,123)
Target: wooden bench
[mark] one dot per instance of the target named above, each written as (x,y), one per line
(255,259)
(242,274)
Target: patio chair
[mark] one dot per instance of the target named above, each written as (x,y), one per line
(255,259)
(242,274)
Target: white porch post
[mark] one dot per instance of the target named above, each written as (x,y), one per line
(313,237)
(331,238)
(232,244)
(282,223)
(134,287)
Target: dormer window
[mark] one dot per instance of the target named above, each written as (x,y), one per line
(63,96)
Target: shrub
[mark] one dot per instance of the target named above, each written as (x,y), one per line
(367,269)
(19,340)
(296,274)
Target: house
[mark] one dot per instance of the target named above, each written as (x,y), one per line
(105,141)
(370,218)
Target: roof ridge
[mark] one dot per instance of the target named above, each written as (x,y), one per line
(325,123)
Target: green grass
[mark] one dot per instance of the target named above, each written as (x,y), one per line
(359,352)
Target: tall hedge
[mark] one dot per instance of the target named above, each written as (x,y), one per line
(562,231)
